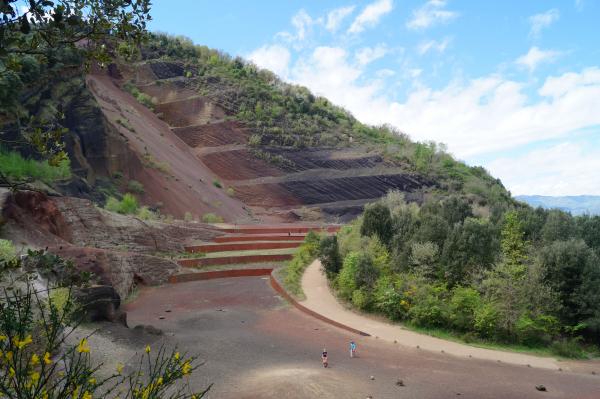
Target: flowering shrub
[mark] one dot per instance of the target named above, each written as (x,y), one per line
(36,361)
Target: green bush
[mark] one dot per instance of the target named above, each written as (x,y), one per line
(231,192)
(361,298)
(188,217)
(17,168)
(7,251)
(535,331)
(388,297)
(126,206)
(211,218)
(487,318)
(329,255)
(217,184)
(346,282)
(429,308)
(135,187)
(464,303)
(145,213)
(568,347)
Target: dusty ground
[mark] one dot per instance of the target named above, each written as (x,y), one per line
(256,346)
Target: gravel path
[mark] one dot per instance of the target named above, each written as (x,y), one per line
(320,299)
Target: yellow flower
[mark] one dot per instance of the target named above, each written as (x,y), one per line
(47,359)
(92,381)
(35,376)
(186,368)
(83,346)
(2,338)
(119,368)
(35,360)
(76,393)
(22,343)
(176,356)
(9,356)
(159,382)
(11,372)
(86,395)
(147,349)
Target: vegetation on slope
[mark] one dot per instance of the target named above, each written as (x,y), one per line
(18,169)
(290,116)
(531,277)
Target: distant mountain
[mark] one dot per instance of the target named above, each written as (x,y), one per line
(576,204)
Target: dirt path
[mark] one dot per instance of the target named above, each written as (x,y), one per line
(320,299)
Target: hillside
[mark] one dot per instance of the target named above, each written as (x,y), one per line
(576,204)
(277,146)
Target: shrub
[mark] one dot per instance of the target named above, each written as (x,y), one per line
(145,213)
(377,220)
(217,184)
(534,331)
(7,251)
(17,168)
(231,192)
(361,298)
(464,303)
(388,298)
(135,187)
(330,256)
(429,308)
(127,206)
(487,318)
(211,218)
(568,347)
(346,282)
(188,217)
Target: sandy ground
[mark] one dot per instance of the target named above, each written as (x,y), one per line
(257,346)
(320,299)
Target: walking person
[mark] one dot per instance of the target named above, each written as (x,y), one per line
(352,349)
(324,358)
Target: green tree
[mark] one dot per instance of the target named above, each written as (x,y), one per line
(514,247)
(329,255)
(455,210)
(559,226)
(377,220)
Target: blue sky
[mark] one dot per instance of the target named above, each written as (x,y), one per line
(510,85)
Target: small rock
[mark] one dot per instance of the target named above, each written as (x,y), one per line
(372,378)
(458,393)
(529,365)
(400,383)
(161,317)
(560,369)
(168,311)
(395,341)
(418,347)
(147,329)
(442,351)
(470,356)
(540,388)
(593,373)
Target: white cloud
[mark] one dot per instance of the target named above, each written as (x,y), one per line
(535,57)
(431,13)
(273,57)
(433,45)
(371,15)
(543,20)
(473,117)
(562,169)
(367,55)
(302,23)
(335,17)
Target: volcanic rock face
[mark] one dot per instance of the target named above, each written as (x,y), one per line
(115,248)
(271,179)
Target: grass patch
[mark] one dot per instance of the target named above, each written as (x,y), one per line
(7,251)
(17,168)
(294,269)
(149,162)
(217,184)
(565,350)
(211,218)
(135,187)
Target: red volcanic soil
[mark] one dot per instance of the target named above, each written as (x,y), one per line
(239,165)
(169,170)
(191,111)
(213,135)
(265,237)
(242,246)
(254,346)
(234,260)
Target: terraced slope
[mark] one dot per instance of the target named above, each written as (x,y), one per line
(332,181)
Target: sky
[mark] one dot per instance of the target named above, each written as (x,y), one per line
(511,85)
